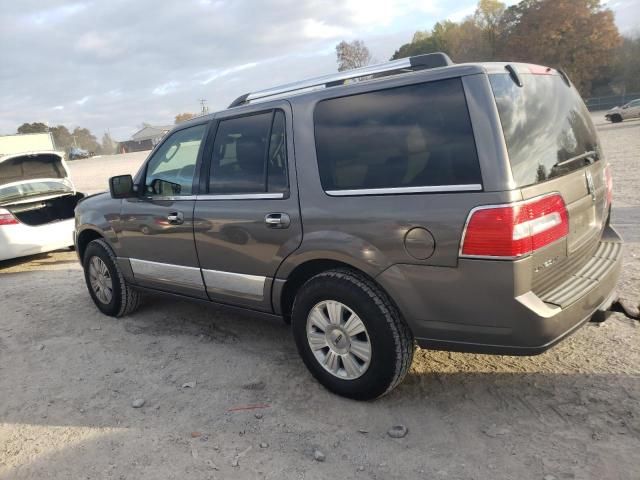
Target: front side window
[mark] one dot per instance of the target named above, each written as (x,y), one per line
(250,155)
(171,169)
(413,136)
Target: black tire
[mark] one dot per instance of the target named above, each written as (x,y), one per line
(616,118)
(125,299)
(392,343)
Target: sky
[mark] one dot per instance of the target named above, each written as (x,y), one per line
(110,65)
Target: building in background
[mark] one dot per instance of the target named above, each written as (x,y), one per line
(145,139)
(26,142)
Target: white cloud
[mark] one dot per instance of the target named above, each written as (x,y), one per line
(83,100)
(212,75)
(316,29)
(166,88)
(58,107)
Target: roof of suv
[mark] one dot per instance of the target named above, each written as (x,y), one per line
(430,66)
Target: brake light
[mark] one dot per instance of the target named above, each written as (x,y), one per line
(540,70)
(6,218)
(608,180)
(515,230)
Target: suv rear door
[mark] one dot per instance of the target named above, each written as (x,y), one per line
(249,213)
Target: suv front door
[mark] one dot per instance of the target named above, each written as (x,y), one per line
(250,207)
(157,226)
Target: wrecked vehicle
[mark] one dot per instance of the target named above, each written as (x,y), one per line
(37,200)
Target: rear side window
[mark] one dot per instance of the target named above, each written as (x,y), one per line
(250,155)
(547,128)
(413,136)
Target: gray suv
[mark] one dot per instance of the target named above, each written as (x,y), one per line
(457,206)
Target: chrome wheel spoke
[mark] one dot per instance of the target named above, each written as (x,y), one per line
(331,361)
(318,319)
(351,366)
(342,348)
(334,309)
(362,350)
(354,326)
(317,340)
(100,280)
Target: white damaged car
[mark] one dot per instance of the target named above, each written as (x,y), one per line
(37,200)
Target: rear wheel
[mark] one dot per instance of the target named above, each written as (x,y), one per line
(616,118)
(350,336)
(107,286)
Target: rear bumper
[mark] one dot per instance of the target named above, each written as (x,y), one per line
(479,307)
(21,240)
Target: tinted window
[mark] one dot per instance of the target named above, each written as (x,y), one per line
(249,155)
(419,135)
(170,171)
(546,125)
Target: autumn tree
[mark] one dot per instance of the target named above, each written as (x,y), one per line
(488,20)
(579,36)
(352,55)
(183,117)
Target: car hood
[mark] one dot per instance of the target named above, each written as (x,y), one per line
(19,167)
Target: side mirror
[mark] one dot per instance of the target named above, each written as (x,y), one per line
(165,188)
(121,186)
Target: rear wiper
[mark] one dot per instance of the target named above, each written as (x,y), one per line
(589,158)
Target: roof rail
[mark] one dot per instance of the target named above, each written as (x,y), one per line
(419,62)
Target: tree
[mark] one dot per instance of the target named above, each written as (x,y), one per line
(35,127)
(61,137)
(183,117)
(108,145)
(488,18)
(352,55)
(579,36)
(84,139)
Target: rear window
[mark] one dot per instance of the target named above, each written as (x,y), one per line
(546,125)
(413,136)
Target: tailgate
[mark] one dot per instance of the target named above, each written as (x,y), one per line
(585,194)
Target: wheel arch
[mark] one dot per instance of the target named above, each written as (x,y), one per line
(284,291)
(84,238)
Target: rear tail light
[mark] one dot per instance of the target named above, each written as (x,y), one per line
(515,230)
(608,179)
(6,218)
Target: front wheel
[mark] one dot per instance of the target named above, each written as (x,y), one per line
(616,118)
(350,336)
(107,286)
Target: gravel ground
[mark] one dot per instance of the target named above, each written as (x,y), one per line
(225,395)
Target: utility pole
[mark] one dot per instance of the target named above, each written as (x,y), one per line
(203,104)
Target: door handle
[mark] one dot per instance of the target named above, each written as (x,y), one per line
(176,218)
(277,220)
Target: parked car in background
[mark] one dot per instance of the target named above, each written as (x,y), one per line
(37,200)
(460,207)
(75,153)
(625,112)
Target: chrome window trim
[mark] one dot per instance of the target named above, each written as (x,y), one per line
(240,196)
(167,273)
(239,284)
(475,187)
(172,198)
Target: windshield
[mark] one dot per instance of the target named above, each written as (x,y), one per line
(547,128)
(34,188)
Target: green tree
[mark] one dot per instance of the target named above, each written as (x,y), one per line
(61,138)
(35,127)
(83,138)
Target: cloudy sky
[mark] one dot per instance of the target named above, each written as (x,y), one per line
(113,64)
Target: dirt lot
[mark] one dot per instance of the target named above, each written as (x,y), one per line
(68,376)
